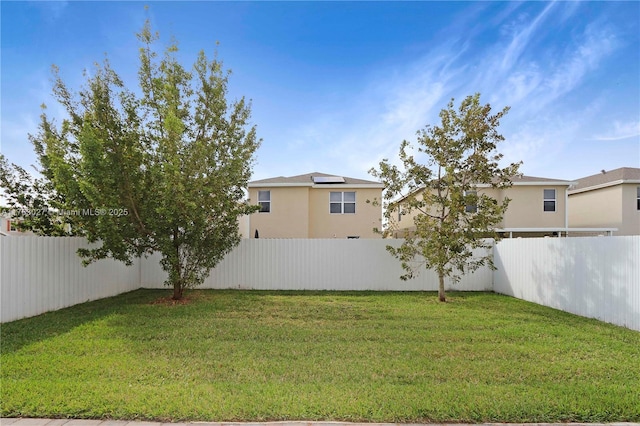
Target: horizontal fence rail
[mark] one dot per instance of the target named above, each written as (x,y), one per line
(594,277)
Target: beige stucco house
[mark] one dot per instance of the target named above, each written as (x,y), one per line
(5,226)
(607,199)
(315,205)
(538,207)
(8,227)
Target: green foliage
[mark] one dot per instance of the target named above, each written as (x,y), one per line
(346,356)
(31,202)
(452,217)
(163,170)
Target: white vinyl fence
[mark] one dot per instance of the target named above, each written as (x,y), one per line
(301,264)
(595,277)
(40,274)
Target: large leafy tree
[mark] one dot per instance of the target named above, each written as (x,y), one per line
(160,169)
(440,188)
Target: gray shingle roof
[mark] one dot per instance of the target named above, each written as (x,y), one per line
(308,179)
(608,177)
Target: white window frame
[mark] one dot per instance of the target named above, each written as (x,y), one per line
(264,202)
(638,198)
(548,200)
(12,226)
(342,202)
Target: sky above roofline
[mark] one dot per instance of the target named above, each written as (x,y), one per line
(337,86)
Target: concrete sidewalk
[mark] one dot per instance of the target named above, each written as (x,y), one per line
(70,422)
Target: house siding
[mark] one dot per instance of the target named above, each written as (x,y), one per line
(630,213)
(324,224)
(598,208)
(289,215)
(608,207)
(525,208)
(303,212)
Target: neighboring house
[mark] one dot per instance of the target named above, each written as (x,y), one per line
(8,227)
(315,205)
(607,199)
(538,207)
(243,226)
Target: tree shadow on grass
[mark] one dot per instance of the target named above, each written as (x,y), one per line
(23,332)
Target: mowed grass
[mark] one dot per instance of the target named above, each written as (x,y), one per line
(256,356)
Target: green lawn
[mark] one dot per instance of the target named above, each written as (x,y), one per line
(251,356)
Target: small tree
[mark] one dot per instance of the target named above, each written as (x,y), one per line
(451,216)
(163,170)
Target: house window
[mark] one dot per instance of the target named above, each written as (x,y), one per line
(399,213)
(549,200)
(638,197)
(342,202)
(264,200)
(471,208)
(12,226)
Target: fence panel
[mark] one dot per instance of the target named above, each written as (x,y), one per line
(41,274)
(596,277)
(318,264)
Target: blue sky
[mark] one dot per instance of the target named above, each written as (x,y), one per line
(336,86)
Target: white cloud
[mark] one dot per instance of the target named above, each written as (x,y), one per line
(406,103)
(596,46)
(514,71)
(621,131)
(531,81)
(521,40)
(520,86)
(541,143)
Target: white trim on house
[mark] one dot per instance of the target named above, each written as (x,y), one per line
(604,185)
(312,185)
(547,183)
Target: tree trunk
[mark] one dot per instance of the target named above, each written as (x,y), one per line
(177,291)
(177,285)
(441,295)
